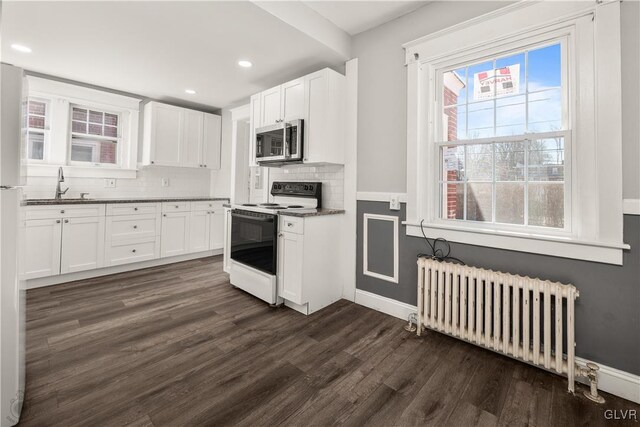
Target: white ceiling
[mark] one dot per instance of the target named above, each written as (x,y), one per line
(357,16)
(159,49)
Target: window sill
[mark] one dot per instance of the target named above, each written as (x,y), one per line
(74,171)
(607,253)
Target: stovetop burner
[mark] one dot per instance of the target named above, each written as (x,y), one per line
(268,204)
(249,204)
(294,206)
(274,207)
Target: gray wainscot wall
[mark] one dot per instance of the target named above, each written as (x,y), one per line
(607,313)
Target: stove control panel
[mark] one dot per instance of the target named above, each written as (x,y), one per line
(297,189)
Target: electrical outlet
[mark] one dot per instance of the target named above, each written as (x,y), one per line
(165,182)
(394,204)
(110,183)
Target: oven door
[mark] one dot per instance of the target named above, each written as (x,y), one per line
(270,143)
(253,240)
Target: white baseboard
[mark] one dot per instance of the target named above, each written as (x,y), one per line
(614,381)
(631,206)
(89,274)
(385,305)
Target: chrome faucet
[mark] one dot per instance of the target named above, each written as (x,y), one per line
(59,191)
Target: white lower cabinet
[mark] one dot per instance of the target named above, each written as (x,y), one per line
(128,251)
(41,257)
(216,221)
(199,230)
(309,272)
(82,244)
(133,233)
(175,234)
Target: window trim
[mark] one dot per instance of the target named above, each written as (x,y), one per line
(596,207)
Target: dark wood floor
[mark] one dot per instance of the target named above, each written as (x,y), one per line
(177,345)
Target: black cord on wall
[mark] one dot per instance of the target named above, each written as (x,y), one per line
(441,254)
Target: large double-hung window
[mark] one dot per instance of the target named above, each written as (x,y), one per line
(504,140)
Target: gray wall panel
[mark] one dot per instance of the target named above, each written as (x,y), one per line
(380,258)
(607,312)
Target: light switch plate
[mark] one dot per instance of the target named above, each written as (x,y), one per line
(110,183)
(165,182)
(394,204)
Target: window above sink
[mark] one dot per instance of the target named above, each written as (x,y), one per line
(92,133)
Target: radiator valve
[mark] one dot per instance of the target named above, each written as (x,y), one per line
(413,320)
(590,371)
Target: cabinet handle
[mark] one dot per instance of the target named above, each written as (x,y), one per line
(164,215)
(177,206)
(289,224)
(134,251)
(57,221)
(213,212)
(66,221)
(62,211)
(152,162)
(280,235)
(135,209)
(135,227)
(205,166)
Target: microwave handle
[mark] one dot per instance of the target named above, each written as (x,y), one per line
(287,141)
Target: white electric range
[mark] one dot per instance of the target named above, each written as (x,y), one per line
(254,236)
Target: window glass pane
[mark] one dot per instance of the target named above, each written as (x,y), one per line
(544,68)
(480,123)
(453,201)
(37,108)
(546,204)
(545,111)
(510,203)
(80,127)
(110,119)
(88,150)
(95,117)
(479,201)
(110,131)
(510,116)
(510,75)
(546,160)
(454,87)
(79,114)
(509,161)
(481,81)
(453,122)
(479,162)
(95,129)
(36,122)
(36,145)
(453,163)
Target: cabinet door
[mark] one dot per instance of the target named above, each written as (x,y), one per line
(41,256)
(167,134)
(211,145)
(227,241)
(316,104)
(255,122)
(193,136)
(290,247)
(293,100)
(199,230)
(82,244)
(270,106)
(216,236)
(175,234)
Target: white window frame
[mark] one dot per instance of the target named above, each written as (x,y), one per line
(594,230)
(61,97)
(117,139)
(45,131)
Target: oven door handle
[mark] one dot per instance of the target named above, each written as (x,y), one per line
(252,218)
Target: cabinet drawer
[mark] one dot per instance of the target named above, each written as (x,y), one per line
(128,251)
(176,207)
(132,226)
(66,211)
(292,224)
(207,206)
(132,209)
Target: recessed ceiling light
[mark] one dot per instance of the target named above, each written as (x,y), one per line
(190,91)
(245,64)
(21,48)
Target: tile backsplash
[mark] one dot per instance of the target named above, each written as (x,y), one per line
(183,182)
(331,176)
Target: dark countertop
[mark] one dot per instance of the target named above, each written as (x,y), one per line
(310,212)
(46,202)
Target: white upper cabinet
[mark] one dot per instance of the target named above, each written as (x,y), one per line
(175,136)
(318,99)
(211,144)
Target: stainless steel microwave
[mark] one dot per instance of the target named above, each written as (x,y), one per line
(280,143)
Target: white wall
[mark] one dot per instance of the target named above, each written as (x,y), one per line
(331,176)
(183,182)
(382,96)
